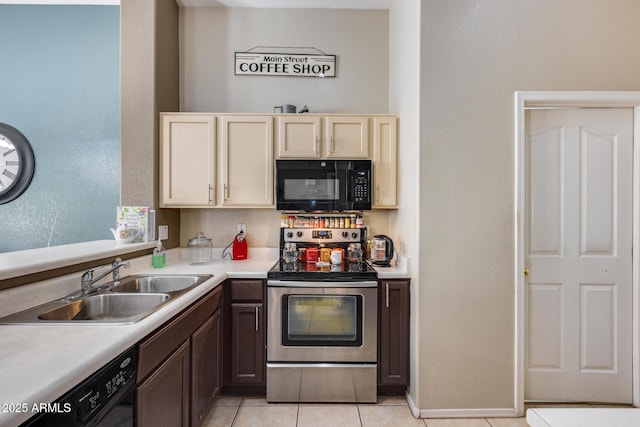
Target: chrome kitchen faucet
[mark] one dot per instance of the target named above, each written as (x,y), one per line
(87,281)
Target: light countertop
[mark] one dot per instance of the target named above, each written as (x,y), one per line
(20,263)
(42,362)
(583,417)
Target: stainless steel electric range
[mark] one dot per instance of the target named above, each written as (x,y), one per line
(322,322)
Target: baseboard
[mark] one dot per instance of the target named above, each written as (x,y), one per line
(460,413)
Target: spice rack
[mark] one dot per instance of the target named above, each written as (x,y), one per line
(353,220)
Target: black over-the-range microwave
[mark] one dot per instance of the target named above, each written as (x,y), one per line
(323,185)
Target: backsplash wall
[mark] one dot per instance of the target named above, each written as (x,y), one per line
(262,225)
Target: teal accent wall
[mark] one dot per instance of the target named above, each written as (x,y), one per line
(60,86)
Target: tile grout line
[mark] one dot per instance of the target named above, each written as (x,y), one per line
(359,414)
(237,411)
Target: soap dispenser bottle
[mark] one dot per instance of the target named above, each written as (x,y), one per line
(159,257)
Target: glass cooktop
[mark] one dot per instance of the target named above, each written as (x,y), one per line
(322,271)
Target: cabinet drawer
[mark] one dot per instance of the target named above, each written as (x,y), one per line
(247,290)
(160,344)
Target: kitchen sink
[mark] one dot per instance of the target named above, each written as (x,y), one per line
(132,299)
(107,307)
(158,283)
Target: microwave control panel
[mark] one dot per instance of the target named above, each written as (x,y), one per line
(361,186)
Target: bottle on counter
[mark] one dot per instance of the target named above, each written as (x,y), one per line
(367,251)
(159,257)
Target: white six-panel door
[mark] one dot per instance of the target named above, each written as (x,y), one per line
(578,344)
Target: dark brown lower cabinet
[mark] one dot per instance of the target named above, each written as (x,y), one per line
(206,379)
(245,343)
(179,370)
(393,336)
(163,398)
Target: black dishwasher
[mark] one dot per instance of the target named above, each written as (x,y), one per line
(105,399)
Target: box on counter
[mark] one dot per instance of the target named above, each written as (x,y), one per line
(140,217)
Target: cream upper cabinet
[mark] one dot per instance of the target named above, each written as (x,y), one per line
(299,136)
(246,161)
(346,137)
(385,162)
(187,160)
(226,160)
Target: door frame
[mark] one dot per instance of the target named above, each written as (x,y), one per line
(565,99)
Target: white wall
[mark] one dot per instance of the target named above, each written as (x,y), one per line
(474,55)
(208,39)
(404,85)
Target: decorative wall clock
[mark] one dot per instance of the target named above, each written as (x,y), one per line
(17,163)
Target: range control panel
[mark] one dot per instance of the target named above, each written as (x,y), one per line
(321,235)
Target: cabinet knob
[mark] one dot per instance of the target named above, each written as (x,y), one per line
(526,271)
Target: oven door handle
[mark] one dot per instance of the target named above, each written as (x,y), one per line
(320,284)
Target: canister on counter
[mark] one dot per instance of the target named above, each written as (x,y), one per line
(200,249)
(325,254)
(302,255)
(312,255)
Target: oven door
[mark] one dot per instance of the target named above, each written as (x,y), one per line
(318,323)
(309,185)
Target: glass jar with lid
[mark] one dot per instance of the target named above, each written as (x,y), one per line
(200,249)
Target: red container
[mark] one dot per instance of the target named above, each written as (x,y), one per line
(239,247)
(312,254)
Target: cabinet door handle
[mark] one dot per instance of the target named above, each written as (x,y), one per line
(378,193)
(315,146)
(257,322)
(386,285)
(211,188)
(226,192)
(331,144)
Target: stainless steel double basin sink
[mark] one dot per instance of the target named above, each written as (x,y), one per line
(132,299)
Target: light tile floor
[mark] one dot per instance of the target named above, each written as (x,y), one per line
(249,411)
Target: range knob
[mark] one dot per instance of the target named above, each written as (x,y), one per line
(289,234)
(299,234)
(354,235)
(345,234)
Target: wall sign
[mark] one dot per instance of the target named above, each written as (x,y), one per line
(285,64)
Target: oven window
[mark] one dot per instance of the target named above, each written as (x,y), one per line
(311,189)
(322,320)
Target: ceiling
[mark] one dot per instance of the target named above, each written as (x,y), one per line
(282,4)
(290,4)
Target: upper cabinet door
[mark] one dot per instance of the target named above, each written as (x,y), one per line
(347,137)
(246,175)
(299,136)
(385,162)
(187,160)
